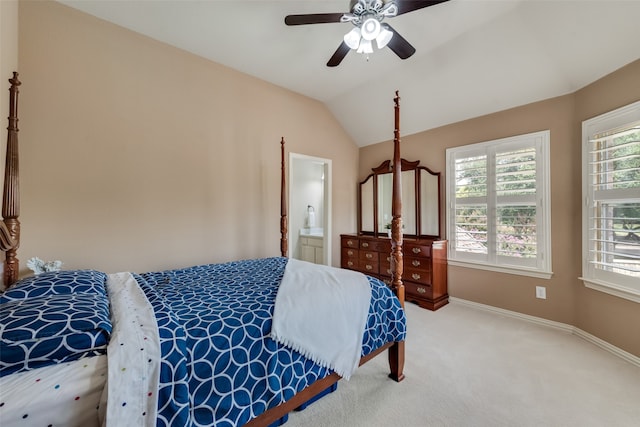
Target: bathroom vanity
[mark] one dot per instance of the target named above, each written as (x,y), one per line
(311,246)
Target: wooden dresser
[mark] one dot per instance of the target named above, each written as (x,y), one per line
(425,265)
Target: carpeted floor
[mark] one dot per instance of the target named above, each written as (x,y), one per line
(470,367)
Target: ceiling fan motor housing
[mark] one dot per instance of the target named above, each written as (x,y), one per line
(365,10)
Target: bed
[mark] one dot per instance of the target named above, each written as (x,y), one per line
(238,343)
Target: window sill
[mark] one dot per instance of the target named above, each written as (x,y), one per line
(503,269)
(619,291)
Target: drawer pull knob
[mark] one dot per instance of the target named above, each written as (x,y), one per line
(389,271)
(416,250)
(415,263)
(368,267)
(415,276)
(350,253)
(365,245)
(421,290)
(349,242)
(350,263)
(389,258)
(369,256)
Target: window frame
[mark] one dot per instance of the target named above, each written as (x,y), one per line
(541,267)
(612,283)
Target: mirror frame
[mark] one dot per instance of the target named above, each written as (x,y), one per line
(406,165)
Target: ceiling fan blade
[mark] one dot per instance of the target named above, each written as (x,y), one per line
(399,45)
(338,55)
(405,6)
(314,18)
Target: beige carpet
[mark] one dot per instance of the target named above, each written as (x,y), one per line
(470,367)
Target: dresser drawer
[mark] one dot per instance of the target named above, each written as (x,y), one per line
(350,263)
(350,253)
(419,276)
(416,250)
(417,290)
(368,267)
(385,257)
(384,246)
(349,242)
(385,268)
(368,256)
(417,264)
(370,245)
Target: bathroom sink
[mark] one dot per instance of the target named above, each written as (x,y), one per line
(312,231)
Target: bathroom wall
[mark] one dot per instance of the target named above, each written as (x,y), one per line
(306,188)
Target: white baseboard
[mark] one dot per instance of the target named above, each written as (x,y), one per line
(635,360)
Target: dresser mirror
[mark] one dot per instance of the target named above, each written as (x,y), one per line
(420,201)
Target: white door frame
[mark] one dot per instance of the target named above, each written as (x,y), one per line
(296,158)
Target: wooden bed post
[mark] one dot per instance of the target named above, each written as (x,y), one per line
(10,227)
(283,204)
(396,352)
(396,210)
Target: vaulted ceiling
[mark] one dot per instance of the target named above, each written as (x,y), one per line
(473,57)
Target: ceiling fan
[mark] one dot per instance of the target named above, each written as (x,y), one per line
(367,16)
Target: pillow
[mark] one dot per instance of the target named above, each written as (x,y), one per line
(57,283)
(42,331)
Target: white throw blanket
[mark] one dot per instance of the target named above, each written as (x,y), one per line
(321,312)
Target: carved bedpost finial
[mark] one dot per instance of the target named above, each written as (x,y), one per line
(11,194)
(397,265)
(283,205)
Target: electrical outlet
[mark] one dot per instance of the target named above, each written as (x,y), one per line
(541,292)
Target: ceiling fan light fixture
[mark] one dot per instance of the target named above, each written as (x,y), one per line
(365,46)
(352,38)
(383,38)
(370,29)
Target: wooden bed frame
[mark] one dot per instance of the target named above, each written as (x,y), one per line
(10,241)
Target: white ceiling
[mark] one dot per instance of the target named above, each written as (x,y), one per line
(473,57)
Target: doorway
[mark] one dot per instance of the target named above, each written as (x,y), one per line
(309,208)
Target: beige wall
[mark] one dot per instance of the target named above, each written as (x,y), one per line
(610,318)
(8,59)
(138,156)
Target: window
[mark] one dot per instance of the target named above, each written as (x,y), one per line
(611,214)
(498,209)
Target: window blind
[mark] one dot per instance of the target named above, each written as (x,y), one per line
(614,177)
(498,192)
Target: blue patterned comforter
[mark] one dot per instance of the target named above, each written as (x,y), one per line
(219,366)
